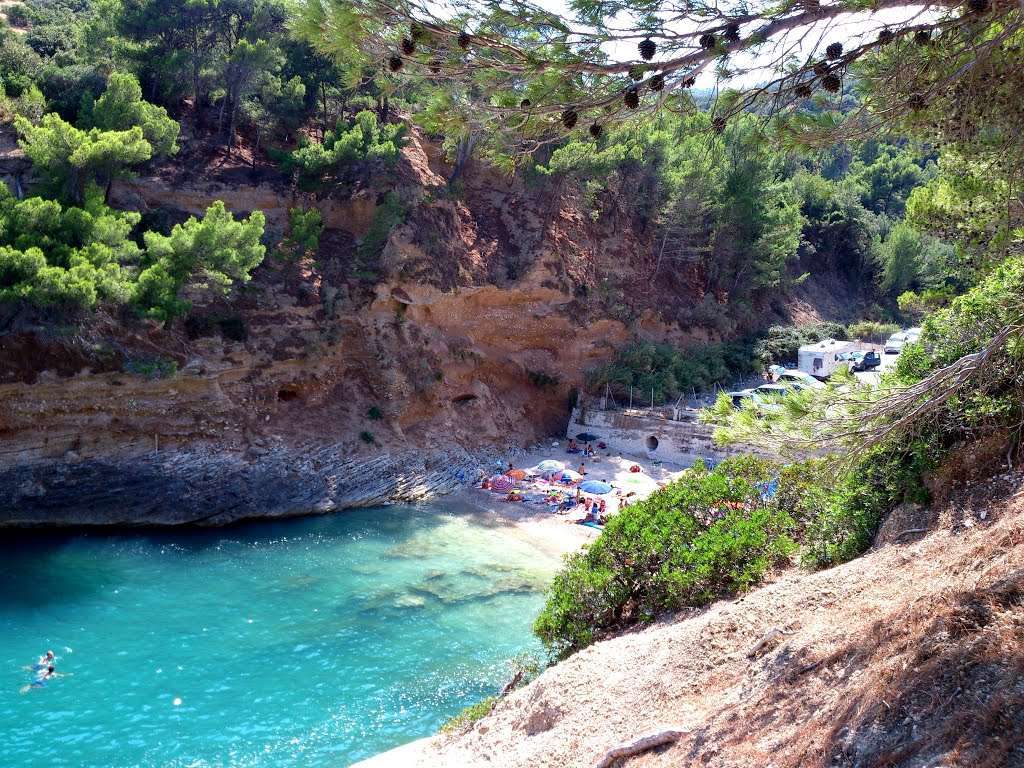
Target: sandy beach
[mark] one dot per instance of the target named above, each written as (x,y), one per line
(559,533)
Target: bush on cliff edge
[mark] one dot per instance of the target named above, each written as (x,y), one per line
(709,534)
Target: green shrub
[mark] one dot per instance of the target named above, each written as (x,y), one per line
(707,535)
(367,437)
(304,229)
(838,513)
(390,212)
(782,342)
(670,371)
(869,330)
(154,368)
(360,141)
(469,715)
(916,305)
(375,413)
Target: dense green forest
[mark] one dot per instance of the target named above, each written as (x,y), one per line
(99,90)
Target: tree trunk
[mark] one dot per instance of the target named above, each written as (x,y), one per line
(463,154)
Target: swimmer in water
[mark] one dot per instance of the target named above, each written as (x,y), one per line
(42,679)
(45,660)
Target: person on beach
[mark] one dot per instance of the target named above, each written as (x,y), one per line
(583,469)
(572,447)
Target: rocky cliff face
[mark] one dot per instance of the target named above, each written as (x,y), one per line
(465,337)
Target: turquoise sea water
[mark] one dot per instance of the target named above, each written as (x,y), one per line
(311,642)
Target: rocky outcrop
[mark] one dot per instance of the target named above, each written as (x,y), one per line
(208,486)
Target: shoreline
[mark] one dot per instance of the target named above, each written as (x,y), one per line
(554,534)
(559,533)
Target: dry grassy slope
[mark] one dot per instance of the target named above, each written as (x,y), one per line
(912,655)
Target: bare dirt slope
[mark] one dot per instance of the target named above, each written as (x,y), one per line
(912,655)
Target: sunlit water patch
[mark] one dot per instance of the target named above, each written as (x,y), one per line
(307,642)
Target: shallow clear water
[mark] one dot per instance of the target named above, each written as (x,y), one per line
(307,642)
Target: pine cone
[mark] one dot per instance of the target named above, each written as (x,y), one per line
(569,118)
(834,51)
(647,49)
(631,98)
(395,62)
(707,41)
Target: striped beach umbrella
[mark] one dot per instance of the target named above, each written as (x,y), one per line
(502,483)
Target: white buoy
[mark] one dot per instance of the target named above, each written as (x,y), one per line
(177,701)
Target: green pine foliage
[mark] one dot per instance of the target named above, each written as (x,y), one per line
(122,107)
(217,250)
(388,215)
(353,144)
(304,228)
(76,257)
(65,256)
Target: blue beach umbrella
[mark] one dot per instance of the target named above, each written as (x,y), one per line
(596,487)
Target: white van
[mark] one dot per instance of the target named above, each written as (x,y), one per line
(820,360)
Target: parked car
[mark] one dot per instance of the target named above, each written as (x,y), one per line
(763,397)
(861,360)
(798,379)
(740,396)
(894,344)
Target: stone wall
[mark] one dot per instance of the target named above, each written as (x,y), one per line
(656,434)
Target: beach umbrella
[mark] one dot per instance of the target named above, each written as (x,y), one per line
(587,437)
(597,487)
(502,483)
(568,476)
(517,474)
(550,465)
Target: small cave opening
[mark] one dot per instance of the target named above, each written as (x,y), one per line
(463,399)
(652,443)
(288,394)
